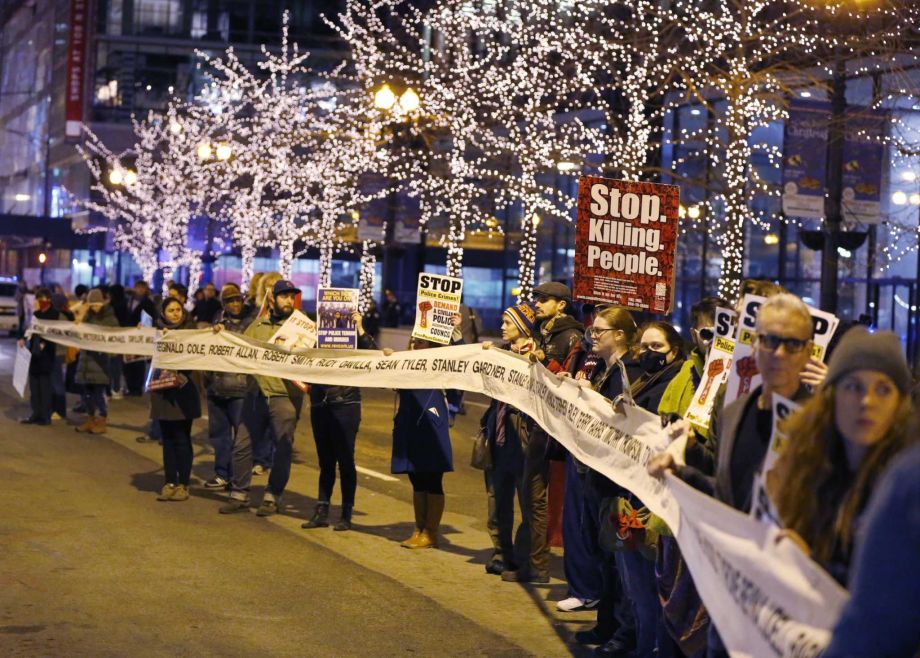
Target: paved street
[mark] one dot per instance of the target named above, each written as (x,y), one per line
(93,565)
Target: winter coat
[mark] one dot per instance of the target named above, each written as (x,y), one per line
(680,391)
(93,367)
(229,384)
(421,438)
(262,329)
(43,351)
(180,403)
(322,395)
(557,337)
(509,457)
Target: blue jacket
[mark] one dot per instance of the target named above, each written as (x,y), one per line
(882,617)
(421,438)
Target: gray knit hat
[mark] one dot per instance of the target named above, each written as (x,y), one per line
(860,350)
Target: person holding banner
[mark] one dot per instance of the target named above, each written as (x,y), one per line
(42,365)
(507,430)
(93,367)
(175,403)
(840,441)
(263,444)
(226,394)
(274,408)
(559,333)
(335,415)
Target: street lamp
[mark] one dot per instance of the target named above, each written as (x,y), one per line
(409,101)
(116,177)
(384,98)
(223,151)
(130,177)
(204,151)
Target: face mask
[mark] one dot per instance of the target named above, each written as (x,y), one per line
(652,362)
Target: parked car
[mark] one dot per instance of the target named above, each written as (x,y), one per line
(9,312)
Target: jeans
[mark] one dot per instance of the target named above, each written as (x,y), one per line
(177,450)
(116,366)
(638,575)
(224,417)
(335,429)
(581,559)
(502,488)
(279,415)
(40,395)
(94,400)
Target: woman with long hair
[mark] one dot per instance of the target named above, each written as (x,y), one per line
(840,441)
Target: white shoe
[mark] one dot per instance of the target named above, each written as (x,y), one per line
(574,604)
(117,395)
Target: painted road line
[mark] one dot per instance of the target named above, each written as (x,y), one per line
(375,474)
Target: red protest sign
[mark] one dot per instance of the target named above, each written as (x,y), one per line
(626,243)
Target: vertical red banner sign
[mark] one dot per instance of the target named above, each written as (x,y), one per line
(76,69)
(626,243)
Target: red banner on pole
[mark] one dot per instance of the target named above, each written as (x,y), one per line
(626,243)
(76,69)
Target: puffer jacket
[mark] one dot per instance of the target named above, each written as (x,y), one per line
(229,384)
(93,367)
(321,396)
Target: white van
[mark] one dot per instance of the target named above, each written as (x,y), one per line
(9,314)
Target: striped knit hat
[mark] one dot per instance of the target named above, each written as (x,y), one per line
(524,317)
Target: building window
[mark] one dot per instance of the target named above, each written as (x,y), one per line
(158,16)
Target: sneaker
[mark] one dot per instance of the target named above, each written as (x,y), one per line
(234,505)
(117,395)
(575,604)
(216,482)
(258,469)
(57,416)
(166,493)
(180,493)
(267,508)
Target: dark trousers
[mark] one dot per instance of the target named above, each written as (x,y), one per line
(177,450)
(502,487)
(135,372)
(58,390)
(581,559)
(263,443)
(94,400)
(116,366)
(429,483)
(335,429)
(536,479)
(276,417)
(224,418)
(638,575)
(40,393)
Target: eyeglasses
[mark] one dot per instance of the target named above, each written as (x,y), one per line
(706,333)
(594,331)
(772,342)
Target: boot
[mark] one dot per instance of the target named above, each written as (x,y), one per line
(99,426)
(320,518)
(420,504)
(180,493)
(87,425)
(429,537)
(345,522)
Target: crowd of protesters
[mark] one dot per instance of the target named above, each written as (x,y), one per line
(846,488)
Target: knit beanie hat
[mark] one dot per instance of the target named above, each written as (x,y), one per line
(524,317)
(228,292)
(860,350)
(95,296)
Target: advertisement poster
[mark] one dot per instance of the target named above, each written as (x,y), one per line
(335,325)
(863,163)
(805,160)
(298,332)
(626,243)
(437,303)
(744,376)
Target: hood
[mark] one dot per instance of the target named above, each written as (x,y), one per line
(560,324)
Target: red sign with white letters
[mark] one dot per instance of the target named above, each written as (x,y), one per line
(76,69)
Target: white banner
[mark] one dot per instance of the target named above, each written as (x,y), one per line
(111,340)
(21,370)
(771,600)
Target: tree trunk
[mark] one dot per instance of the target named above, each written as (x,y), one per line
(527,257)
(737,158)
(455,237)
(248,257)
(326,250)
(286,258)
(366,276)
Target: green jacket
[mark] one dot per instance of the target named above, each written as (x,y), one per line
(262,329)
(679,394)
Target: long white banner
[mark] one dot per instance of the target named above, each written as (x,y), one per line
(767,598)
(112,340)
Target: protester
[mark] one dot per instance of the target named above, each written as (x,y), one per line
(263,443)
(882,617)
(174,408)
(725,467)
(421,448)
(613,336)
(371,321)
(93,367)
(178,291)
(335,415)
(208,308)
(276,404)
(558,334)
(507,431)
(390,310)
(251,302)
(119,303)
(839,443)
(42,364)
(226,394)
(61,363)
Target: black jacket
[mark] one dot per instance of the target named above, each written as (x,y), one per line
(557,337)
(43,351)
(229,384)
(322,395)
(180,403)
